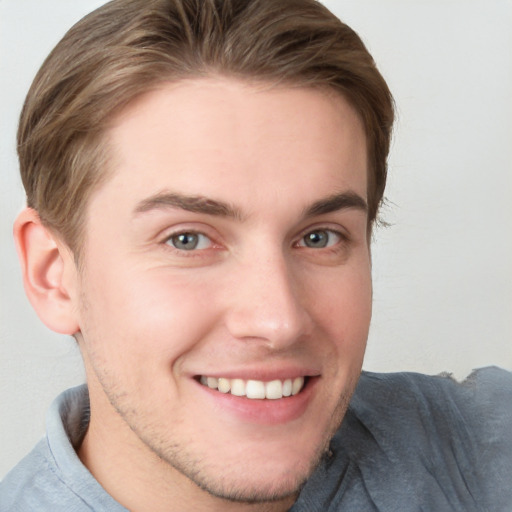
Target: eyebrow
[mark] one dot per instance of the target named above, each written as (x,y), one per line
(207,206)
(336,202)
(195,204)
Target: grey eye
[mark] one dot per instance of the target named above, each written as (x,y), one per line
(316,239)
(320,238)
(189,241)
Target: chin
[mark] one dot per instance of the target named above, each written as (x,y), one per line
(271,473)
(254,488)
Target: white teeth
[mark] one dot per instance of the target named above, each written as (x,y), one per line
(255,389)
(224,385)
(212,382)
(287,387)
(238,387)
(297,385)
(274,390)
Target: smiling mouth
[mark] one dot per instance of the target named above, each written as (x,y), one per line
(255,389)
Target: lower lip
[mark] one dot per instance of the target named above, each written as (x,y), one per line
(264,411)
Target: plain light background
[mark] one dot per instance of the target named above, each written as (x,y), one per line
(442,271)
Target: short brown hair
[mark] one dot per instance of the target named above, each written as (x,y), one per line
(128,47)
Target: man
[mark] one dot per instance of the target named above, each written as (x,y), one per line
(202,181)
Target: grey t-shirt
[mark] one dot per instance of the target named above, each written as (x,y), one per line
(408,443)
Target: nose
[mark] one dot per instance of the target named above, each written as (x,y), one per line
(268,303)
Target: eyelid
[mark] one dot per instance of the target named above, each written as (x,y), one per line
(337,230)
(330,243)
(200,241)
(167,234)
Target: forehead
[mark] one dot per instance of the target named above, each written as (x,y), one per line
(221,137)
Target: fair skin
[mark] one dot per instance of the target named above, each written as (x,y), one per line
(231,242)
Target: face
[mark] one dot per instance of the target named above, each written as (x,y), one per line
(225,295)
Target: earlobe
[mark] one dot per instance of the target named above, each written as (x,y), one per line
(49,272)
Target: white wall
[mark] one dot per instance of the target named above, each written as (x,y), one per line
(442,272)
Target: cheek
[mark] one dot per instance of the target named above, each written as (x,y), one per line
(343,306)
(146,314)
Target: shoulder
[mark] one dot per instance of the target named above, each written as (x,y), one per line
(478,407)
(480,383)
(411,438)
(52,477)
(34,484)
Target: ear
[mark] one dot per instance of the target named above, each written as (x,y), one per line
(49,272)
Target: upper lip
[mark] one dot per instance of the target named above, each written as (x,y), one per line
(261,374)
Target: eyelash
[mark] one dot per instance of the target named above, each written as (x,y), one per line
(300,243)
(168,240)
(341,238)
